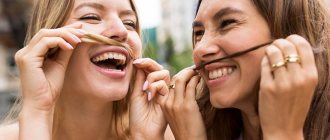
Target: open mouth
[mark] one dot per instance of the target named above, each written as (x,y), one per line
(110,61)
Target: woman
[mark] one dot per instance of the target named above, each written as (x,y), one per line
(278,91)
(82,91)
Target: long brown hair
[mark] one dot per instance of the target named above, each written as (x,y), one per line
(51,14)
(310,19)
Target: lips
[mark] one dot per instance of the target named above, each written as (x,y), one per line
(111,61)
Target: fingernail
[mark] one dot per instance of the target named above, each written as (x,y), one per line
(138,61)
(145,85)
(83,32)
(69,46)
(77,39)
(149,96)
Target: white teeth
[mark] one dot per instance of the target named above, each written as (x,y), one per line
(111,55)
(214,74)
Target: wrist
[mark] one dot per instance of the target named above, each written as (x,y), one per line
(142,136)
(35,124)
(284,136)
(32,113)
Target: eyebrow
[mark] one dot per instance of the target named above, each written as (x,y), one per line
(222,12)
(226,11)
(128,13)
(197,24)
(90,4)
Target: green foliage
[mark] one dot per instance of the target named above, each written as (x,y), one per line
(179,61)
(150,51)
(173,61)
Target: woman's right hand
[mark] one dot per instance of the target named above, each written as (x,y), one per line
(181,109)
(42,77)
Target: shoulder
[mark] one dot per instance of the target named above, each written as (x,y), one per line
(9,132)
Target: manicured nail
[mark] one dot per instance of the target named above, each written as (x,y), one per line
(77,39)
(69,46)
(138,61)
(149,96)
(145,85)
(83,32)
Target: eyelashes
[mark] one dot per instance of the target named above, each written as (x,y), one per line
(227,22)
(222,27)
(130,24)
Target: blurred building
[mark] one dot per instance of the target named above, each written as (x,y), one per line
(177,16)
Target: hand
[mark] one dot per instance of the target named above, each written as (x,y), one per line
(42,77)
(181,108)
(286,91)
(146,117)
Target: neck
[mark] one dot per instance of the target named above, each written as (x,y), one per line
(83,119)
(251,121)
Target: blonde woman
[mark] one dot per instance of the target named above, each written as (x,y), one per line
(78,86)
(276,86)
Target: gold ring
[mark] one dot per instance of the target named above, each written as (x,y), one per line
(278,64)
(171,86)
(293,58)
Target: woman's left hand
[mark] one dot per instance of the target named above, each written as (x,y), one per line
(147,120)
(288,80)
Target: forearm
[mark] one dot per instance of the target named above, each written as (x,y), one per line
(35,124)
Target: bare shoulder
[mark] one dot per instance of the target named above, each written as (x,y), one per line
(9,132)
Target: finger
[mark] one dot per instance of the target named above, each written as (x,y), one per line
(191,88)
(158,88)
(304,50)
(74,25)
(275,57)
(266,72)
(42,47)
(288,49)
(140,78)
(158,75)
(182,78)
(147,64)
(70,35)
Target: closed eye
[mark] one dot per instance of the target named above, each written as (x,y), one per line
(90,18)
(130,25)
(226,23)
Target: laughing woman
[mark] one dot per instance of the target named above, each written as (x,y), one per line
(77,75)
(277,90)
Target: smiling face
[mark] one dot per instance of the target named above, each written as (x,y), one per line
(103,71)
(223,27)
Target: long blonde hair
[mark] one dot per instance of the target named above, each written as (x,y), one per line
(310,19)
(51,14)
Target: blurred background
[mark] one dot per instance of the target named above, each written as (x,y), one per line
(166,35)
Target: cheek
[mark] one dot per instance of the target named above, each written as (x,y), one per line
(136,43)
(195,56)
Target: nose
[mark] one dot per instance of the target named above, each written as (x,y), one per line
(207,49)
(115,29)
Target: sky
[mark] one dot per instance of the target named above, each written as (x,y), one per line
(149,12)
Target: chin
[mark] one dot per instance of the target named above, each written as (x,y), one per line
(219,100)
(111,93)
